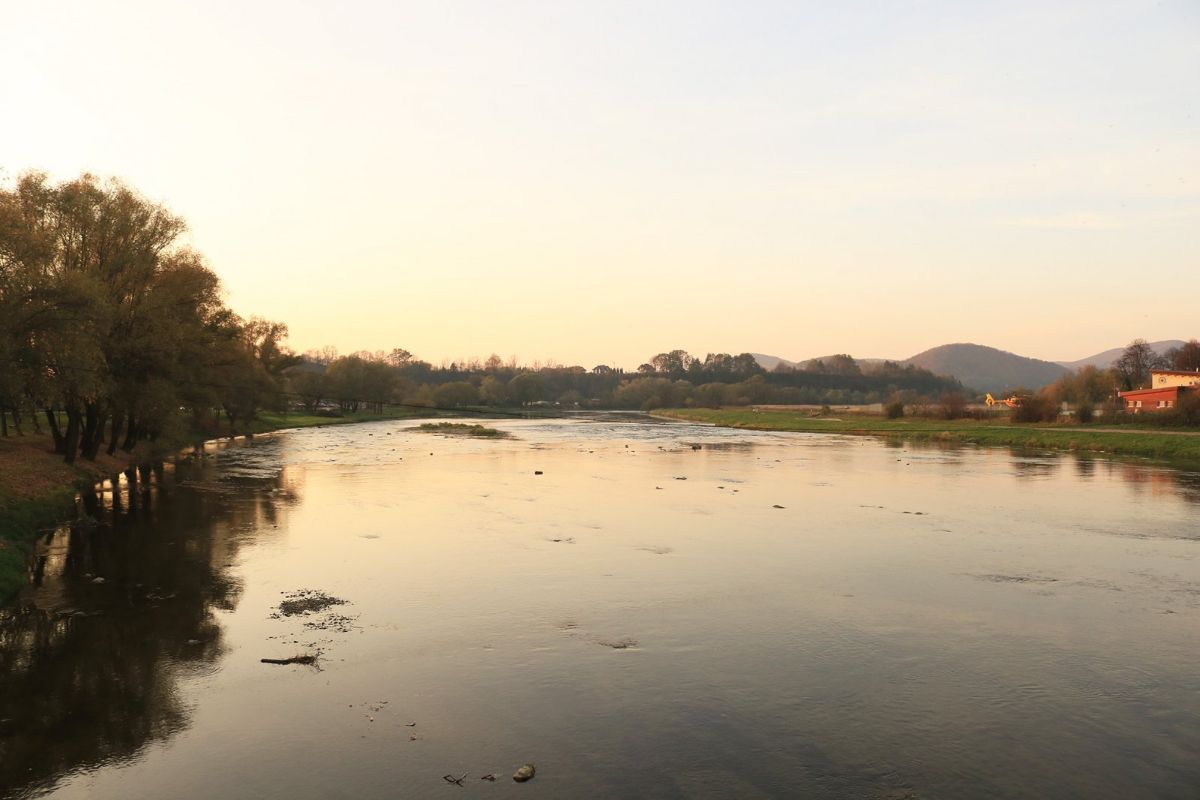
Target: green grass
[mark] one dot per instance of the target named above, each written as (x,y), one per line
(1176,446)
(461,429)
(20,523)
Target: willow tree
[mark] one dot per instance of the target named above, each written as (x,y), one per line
(110,318)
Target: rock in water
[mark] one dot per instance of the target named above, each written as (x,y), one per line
(524,773)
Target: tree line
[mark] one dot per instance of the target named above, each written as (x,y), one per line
(111,327)
(329,383)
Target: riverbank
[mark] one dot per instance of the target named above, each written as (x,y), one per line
(38,489)
(1168,445)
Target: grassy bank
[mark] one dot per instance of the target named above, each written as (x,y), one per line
(1170,445)
(37,488)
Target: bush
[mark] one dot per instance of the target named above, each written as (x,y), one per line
(952,405)
(1188,410)
(1085,412)
(1036,408)
(894,409)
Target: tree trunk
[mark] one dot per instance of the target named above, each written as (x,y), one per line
(72,437)
(117,421)
(130,434)
(92,421)
(3,422)
(60,441)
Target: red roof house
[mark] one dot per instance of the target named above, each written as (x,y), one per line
(1166,387)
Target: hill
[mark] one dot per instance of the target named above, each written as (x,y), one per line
(987,369)
(771,362)
(864,363)
(1105,360)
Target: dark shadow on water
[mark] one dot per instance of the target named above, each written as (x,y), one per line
(120,607)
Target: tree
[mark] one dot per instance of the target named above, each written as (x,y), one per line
(311,386)
(1136,362)
(528,387)
(953,405)
(398,357)
(674,363)
(493,392)
(1186,357)
(455,394)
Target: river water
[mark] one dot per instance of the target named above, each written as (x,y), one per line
(668,610)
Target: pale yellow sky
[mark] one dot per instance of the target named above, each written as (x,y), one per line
(598,182)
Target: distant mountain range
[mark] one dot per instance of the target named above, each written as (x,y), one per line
(987,369)
(1105,360)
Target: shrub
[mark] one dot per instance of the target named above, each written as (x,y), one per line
(1036,408)
(894,409)
(952,405)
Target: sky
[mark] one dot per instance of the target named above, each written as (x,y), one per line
(597,182)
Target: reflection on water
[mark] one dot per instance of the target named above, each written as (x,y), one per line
(121,608)
(642,609)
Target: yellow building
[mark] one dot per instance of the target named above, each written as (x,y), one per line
(1166,378)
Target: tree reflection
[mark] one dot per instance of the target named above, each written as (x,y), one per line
(117,612)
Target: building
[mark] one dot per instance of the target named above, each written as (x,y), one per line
(1166,387)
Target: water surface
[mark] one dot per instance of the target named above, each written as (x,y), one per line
(668,610)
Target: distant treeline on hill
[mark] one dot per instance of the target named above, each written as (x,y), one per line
(672,379)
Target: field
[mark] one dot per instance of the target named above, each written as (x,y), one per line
(1167,444)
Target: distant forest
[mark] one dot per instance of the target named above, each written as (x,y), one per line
(669,379)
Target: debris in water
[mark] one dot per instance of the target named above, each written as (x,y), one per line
(524,773)
(306,660)
(306,601)
(451,779)
(777,506)
(537,472)
(97,580)
(332,622)
(684,478)
(619,644)
(993,578)
(488,777)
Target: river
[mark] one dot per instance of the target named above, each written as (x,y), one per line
(638,608)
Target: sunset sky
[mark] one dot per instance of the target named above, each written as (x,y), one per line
(597,182)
